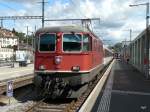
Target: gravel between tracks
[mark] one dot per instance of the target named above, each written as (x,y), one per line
(24,99)
(18,107)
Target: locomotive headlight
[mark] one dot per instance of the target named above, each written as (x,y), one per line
(75,68)
(42,67)
(58,59)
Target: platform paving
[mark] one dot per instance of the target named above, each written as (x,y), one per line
(8,73)
(126,90)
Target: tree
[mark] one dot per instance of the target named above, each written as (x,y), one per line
(110,47)
(20,35)
(117,47)
(13,30)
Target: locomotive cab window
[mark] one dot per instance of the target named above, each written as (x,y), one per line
(72,42)
(47,42)
(86,43)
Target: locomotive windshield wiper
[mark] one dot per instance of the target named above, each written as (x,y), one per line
(76,35)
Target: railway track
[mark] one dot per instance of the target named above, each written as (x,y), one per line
(50,106)
(65,105)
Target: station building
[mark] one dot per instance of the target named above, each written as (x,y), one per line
(136,50)
(7,41)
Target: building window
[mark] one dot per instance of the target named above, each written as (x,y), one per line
(4,41)
(15,42)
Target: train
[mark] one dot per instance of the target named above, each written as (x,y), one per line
(108,55)
(67,59)
(117,55)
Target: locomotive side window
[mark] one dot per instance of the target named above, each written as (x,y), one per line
(86,43)
(72,42)
(94,47)
(36,43)
(47,42)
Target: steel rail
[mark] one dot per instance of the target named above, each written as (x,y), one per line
(73,106)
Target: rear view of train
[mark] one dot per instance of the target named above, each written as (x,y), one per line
(66,60)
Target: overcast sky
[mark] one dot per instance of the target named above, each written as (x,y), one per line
(116,17)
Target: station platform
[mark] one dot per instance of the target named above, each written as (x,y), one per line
(7,73)
(107,60)
(126,90)
(20,76)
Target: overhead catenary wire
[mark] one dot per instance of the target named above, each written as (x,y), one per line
(7,6)
(73,3)
(79,9)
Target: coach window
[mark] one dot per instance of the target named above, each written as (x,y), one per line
(86,43)
(72,42)
(47,42)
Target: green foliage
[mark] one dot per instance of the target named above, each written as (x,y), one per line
(9,46)
(22,37)
(117,47)
(110,47)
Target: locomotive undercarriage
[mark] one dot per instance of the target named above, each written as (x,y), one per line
(68,85)
(58,87)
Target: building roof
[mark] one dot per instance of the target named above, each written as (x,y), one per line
(5,33)
(24,46)
(141,34)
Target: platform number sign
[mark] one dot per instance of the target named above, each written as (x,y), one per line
(10,88)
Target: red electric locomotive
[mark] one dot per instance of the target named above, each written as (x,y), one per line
(66,59)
